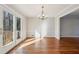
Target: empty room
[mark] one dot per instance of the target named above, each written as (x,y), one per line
(69,34)
(39,28)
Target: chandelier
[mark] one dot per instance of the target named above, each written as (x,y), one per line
(43,16)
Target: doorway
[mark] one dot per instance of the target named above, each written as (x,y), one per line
(69,25)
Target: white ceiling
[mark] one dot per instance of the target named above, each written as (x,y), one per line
(34,10)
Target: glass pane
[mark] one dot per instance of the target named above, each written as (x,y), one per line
(7,28)
(18,26)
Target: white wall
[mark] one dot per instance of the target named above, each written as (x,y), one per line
(44,27)
(7,47)
(57,28)
(69,27)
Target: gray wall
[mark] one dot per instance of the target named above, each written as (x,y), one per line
(69,27)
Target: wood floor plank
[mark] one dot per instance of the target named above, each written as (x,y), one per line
(49,46)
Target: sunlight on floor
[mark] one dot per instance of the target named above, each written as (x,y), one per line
(33,40)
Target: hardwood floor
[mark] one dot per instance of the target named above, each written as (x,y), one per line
(48,46)
(69,45)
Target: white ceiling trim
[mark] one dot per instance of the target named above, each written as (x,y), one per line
(68,10)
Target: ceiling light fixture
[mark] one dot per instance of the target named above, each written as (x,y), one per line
(43,16)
